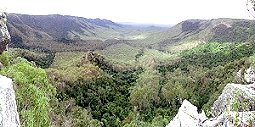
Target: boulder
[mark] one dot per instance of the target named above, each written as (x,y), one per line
(249,75)
(9,116)
(187,116)
(246,76)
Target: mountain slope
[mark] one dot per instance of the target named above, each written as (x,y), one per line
(70,33)
(77,33)
(48,27)
(222,30)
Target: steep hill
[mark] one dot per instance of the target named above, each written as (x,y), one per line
(48,27)
(222,30)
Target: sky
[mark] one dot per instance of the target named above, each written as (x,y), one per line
(135,11)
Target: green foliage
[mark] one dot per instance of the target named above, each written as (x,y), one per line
(138,123)
(105,96)
(174,90)
(44,62)
(41,59)
(72,74)
(121,53)
(157,121)
(201,73)
(151,58)
(65,59)
(33,92)
(66,113)
(5,58)
(241,31)
(101,87)
(214,54)
(182,46)
(145,92)
(240,104)
(200,85)
(160,121)
(82,118)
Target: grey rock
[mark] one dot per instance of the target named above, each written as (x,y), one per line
(4,34)
(9,116)
(231,119)
(187,116)
(235,93)
(249,75)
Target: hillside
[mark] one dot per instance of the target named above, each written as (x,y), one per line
(124,43)
(48,27)
(221,30)
(56,32)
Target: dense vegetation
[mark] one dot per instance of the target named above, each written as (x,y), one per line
(33,90)
(95,91)
(239,32)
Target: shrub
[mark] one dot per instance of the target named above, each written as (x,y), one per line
(33,92)
(5,58)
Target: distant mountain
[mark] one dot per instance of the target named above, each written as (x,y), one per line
(48,27)
(57,32)
(221,30)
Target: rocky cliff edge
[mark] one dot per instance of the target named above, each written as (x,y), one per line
(233,108)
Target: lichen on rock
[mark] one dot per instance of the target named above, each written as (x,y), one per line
(9,116)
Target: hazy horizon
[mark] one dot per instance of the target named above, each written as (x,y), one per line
(133,11)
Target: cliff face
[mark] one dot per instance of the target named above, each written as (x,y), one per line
(4,34)
(9,116)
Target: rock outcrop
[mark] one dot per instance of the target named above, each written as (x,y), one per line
(187,116)
(246,76)
(234,107)
(235,95)
(8,109)
(249,75)
(4,34)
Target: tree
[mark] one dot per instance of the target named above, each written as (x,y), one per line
(145,92)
